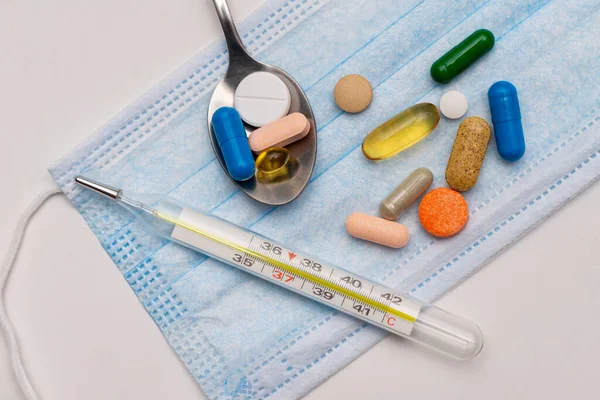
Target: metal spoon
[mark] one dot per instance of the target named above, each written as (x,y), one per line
(304,151)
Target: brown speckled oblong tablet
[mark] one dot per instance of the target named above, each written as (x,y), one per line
(467,154)
(353,93)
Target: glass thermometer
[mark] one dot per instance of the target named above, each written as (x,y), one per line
(301,273)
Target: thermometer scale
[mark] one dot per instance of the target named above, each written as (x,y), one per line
(306,275)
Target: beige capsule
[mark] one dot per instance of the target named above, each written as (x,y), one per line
(377,230)
(406,193)
(467,154)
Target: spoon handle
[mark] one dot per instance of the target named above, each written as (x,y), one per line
(234,43)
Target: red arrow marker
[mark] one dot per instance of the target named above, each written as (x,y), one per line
(291,255)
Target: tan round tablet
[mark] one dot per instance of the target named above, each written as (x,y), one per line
(353,93)
(377,230)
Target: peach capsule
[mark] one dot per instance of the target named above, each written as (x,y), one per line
(377,230)
(287,130)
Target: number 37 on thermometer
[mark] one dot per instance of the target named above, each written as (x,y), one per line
(323,283)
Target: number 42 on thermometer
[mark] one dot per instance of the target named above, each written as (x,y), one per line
(238,247)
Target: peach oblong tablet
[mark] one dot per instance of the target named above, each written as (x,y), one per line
(377,230)
(280,133)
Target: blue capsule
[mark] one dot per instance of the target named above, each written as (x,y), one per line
(506,117)
(233,142)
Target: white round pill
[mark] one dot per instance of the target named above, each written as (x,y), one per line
(453,104)
(262,98)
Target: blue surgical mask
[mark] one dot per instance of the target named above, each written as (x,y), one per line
(244,338)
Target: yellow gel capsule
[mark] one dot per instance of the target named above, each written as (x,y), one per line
(275,165)
(401,132)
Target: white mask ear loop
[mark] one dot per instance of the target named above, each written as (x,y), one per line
(5,324)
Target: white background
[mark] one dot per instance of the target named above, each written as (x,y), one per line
(66,67)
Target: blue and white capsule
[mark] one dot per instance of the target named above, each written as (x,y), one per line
(506,117)
(233,142)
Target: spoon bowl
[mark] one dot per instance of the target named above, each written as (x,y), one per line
(304,151)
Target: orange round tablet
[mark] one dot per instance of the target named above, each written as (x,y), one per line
(443,212)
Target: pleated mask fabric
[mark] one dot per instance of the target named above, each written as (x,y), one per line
(242,338)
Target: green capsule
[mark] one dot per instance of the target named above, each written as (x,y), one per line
(455,61)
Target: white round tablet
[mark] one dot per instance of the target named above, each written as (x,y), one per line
(262,98)
(453,104)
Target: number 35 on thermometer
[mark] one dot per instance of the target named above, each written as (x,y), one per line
(303,274)
(331,286)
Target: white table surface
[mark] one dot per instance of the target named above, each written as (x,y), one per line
(66,67)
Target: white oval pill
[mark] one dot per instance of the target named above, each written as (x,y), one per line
(453,104)
(280,133)
(262,98)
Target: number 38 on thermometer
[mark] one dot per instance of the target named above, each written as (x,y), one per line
(331,286)
(339,289)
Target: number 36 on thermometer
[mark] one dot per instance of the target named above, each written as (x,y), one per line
(321,282)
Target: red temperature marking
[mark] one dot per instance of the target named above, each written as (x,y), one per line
(279,275)
(291,255)
(391,321)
